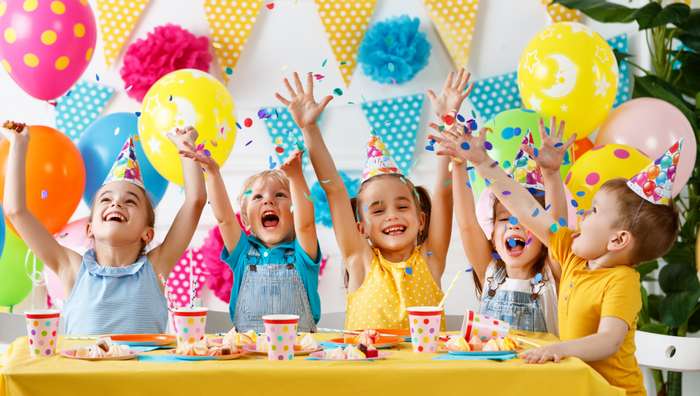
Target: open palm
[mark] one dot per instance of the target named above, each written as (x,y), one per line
(454,91)
(551,153)
(301,103)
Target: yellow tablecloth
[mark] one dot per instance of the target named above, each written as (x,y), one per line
(403,373)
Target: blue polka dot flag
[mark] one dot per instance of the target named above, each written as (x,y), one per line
(284,134)
(493,95)
(396,122)
(80,106)
(621,43)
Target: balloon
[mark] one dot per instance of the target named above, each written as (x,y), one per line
(569,71)
(599,165)
(581,146)
(652,126)
(2,234)
(183,98)
(100,144)
(508,129)
(15,283)
(55,176)
(72,236)
(46,45)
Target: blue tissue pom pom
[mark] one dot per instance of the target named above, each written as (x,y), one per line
(394,51)
(318,196)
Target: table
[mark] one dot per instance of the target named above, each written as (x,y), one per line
(404,373)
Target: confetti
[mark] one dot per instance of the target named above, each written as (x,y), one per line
(546,207)
(513,220)
(472,124)
(343,63)
(127,89)
(279,149)
(535,212)
(574,203)
(580,212)
(528,242)
(409,271)
(338,92)
(448,119)
(310,198)
(469,269)
(562,222)
(557,145)
(263,114)
(506,193)
(68,93)
(319,77)
(495,256)
(554,227)
(428,253)
(272,164)
(580,193)
(512,242)
(469,184)
(97,77)
(238,125)
(44,194)
(138,114)
(465,146)
(536,152)
(323,64)
(487,182)
(248,143)
(488,145)
(116,131)
(170,99)
(248,192)
(270,6)
(538,278)
(248,122)
(460,118)
(473,113)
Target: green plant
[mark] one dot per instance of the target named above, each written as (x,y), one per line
(675,78)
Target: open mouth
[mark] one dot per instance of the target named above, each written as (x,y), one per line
(515,245)
(114,217)
(270,219)
(575,235)
(394,230)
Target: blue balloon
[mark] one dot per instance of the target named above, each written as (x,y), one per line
(100,144)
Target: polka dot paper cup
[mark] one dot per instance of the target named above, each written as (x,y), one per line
(281,333)
(189,325)
(484,327)
(42,326)
(425,328)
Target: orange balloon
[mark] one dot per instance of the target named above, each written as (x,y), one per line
(581,146)
(55,176)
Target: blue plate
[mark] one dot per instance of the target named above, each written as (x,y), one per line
(488,354)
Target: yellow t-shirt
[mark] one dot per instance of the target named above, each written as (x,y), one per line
(585,296)
(381,301)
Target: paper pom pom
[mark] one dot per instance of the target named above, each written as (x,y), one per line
(166,49)
(394,51)
(318,196)
(219,278)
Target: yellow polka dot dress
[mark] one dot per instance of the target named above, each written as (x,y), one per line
(388,289)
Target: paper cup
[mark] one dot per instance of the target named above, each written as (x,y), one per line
(281,333)
(42,326)
(425,328)
(482,326)
(189,325)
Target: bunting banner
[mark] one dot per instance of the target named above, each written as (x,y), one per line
(80,106)
(624,86)
(493,95)
(396,122)
(230,22)
(345,23)
(117,19)
(284,134)
(559,13)
(455,22)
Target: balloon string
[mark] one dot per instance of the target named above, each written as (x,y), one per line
(34,276)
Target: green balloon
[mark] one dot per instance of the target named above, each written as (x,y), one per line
(508,129)
(15,283)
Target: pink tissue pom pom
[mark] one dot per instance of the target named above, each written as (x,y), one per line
(220,277)
(166,49)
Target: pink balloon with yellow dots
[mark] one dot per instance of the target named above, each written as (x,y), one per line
(45,45)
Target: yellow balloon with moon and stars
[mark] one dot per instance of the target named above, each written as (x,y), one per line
(184,98)
(569,71)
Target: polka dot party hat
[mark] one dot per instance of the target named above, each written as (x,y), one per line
(525,170)
(379,162)
(655,182)
(125,167)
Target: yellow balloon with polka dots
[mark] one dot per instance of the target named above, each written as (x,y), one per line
(184,98)
(569,71)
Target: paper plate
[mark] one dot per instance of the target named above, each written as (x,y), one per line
(319,356)
(499,354)
(143,339)
(297,350)
(70,354)
(383,342)
(201,358)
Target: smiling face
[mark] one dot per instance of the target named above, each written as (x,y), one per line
(390,216)
(597,230)
(121,214)
(267,209)
(516,246)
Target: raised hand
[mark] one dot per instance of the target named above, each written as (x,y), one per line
(454,91)
(15,131)
(200,155)
(301,103)
(292,166)
(183,138)
(464,147)
(550,155)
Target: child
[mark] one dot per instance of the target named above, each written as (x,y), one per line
(513,266)
(393,252)
(114,288)
(599,296)
(275,267)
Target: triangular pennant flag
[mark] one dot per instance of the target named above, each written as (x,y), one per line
(117,20)
(80,107)
(620,43)
(559,13)
(493,95)
(346,23)
(396,122)
(285,134)
(230,22)
(455,22)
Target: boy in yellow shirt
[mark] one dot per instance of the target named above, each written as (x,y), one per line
(599,299)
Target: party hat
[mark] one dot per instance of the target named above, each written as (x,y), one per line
(525,170)
(379,161)
(125,167)
(655,182)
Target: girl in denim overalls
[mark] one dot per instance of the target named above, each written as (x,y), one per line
(276,266)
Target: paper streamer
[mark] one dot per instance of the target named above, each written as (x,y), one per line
(346,23)
(493,95)
(624,91)
(396,122)
(455,22)
(80,107)
(230,22)
(284,134)
(117,20)
(178,281)
(559,13)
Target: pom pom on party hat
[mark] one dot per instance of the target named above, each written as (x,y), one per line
(379,162)
(125,167)
(525,170)
(655,182)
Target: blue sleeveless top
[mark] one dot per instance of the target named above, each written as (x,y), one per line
(108,300)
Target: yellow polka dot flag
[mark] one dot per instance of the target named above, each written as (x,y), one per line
(455,22)
(117,20)
(346,23)
(230,22)
(559,13)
